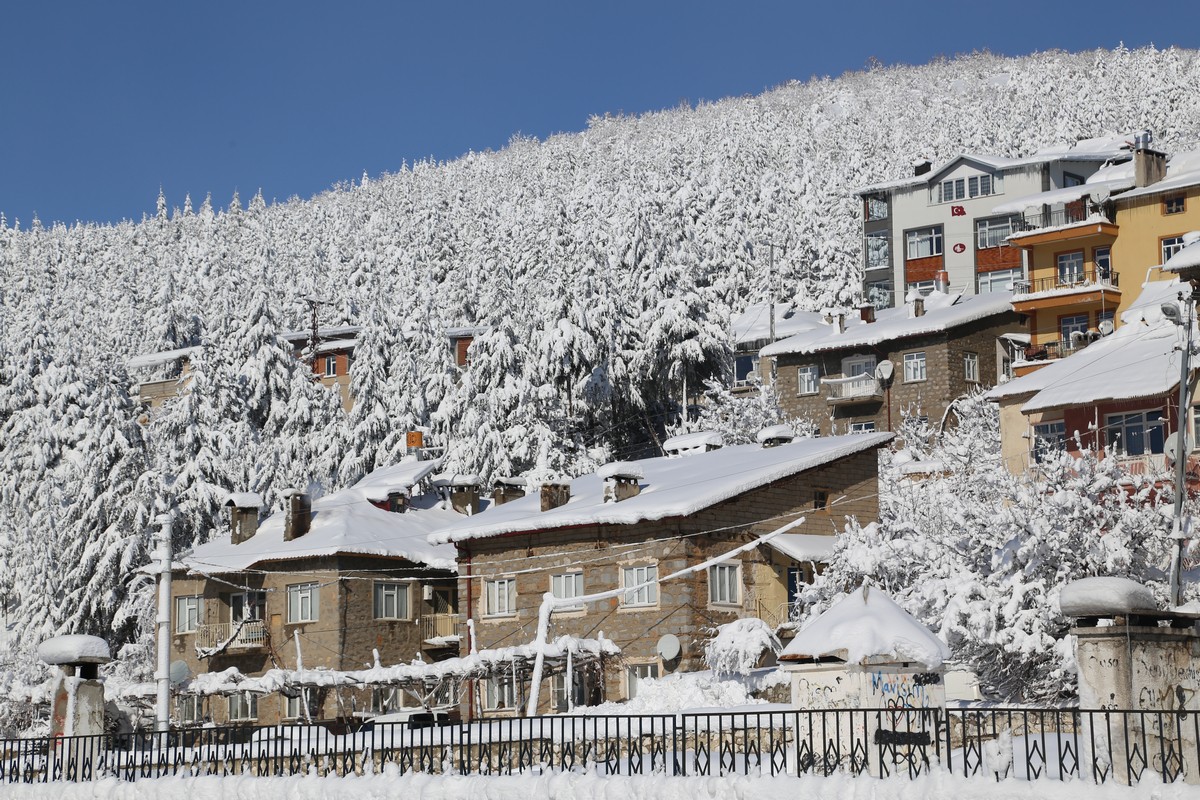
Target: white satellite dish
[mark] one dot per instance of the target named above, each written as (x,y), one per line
(1171,447)
(885,370)
(668,647)
(178,672)
(1105,327)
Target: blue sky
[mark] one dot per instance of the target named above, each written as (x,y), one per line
(103,103)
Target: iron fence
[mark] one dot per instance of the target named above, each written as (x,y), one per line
(1058,744)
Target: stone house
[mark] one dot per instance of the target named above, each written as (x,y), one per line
(860,375)
(635,525)
(324,585)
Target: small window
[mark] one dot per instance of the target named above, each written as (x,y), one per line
(1175,205)
(1001,280)
(391,600)
(808,379)
(1077,323)
(190,708)
(305,705)
(1170,246)
(1135,434)
(302,602)
(724,584)
(862,427)
(1048,437)
(879,294)
(877,245)
(642,595)
(567,586)
(953,189)
(745,369)
(821,497)
(991,233)
(1070,268)
(330,366)
(243,707)
(500,597)
(876,207)
(501,694)
(188,613)
(922,288)
(858,365)
(245,606)
(924,242)
(914,367)
(971,367)
(636,673)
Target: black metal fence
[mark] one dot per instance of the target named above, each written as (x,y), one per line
(1096,746)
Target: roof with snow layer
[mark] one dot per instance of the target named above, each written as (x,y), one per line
(672,487)
(1139,359)
(942,312)
(754,324)
(345,523)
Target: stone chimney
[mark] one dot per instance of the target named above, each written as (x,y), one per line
(298,514)
(941,281)
(555,495)
(840,320)
(243,515)
(397,502)
(505,490)
(866,312)
(622,480)
(1149,165)
(464,494)
(921,166)
(918,306)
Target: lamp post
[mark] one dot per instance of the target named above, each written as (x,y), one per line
(1181,314)
(162,706)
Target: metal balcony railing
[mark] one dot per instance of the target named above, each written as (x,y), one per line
(855,387)
(249,634)
(1104,279)
(1053,218)
(439,626)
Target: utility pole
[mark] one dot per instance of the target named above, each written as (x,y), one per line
(1182,316)
(162,675)
(314,336)
(771,288)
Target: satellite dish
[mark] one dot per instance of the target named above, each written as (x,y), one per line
(179,672)
(885,370)
(668,647)
(1105,327)
(1171,447)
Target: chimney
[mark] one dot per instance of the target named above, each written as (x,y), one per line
(776,435)
(505,490)
(464,494)
(918,306)
(243,515)
(866,312)
(622,481)
(1149,165)
(397,502)
(298,514)
(841,322)
(941,281)
(921,166)
(555,495)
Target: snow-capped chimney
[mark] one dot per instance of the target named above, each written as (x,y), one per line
(941,281)
(840,321)
(505,490)
(464,494)
(622,480)
(397,502)
(918,306)
(1149,165)
(298,514)
(243,515)
(866,312)
(921,166)
(555,495)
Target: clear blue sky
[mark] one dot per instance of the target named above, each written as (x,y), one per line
(102,103)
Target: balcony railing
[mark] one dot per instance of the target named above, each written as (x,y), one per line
(439,626)
(251,634)
(855,388)
(1058,348)
(1071,280)
(1069,214)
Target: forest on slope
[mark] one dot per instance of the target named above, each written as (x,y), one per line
(605,265)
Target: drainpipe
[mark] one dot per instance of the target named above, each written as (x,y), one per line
(466,552)
(162,707)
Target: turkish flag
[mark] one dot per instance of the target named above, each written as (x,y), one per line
(957,211)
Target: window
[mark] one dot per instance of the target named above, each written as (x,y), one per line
(190,708)
(566,586)
(971,367)
(1174,205)
(1135,434)
(876,207)
(501,597)
(302,602)
(982,185)
(914,367)
(953,189)
(1071,179)
(636,673)
(924,242)
(306,705)
(922,288)
(188,613)
(558,691)
(643,595)
(330,366)
(725,584)
(1170,246)
(386,699)
(247,606)
(1048,437)
(877,248)
(960,188)
(820,499)
(858,365)
(501,694)
(879,294)
(745,369)
(243,707)
(1070,268)
(991,233)
(1069,325)
(1001,280)
(807,379)
(391,600)
(1195,427)
(862,427)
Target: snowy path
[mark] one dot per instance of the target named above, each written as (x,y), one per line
(580,786)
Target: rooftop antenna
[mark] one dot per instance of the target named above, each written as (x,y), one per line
(314,337)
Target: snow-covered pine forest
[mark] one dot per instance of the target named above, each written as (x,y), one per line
(605,264)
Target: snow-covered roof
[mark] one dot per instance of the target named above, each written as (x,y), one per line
(867,624)
(334,345)
(1140,359)
(942,312)
(1188,257)
(1104,596)
(754,324)
(464,331)
(152,360)
(244,500)
(1099,191)
(693,442)
(1183,172)
(621,469)
(345,523)
(74,648)
(803,546)
(673,487)
(775,432)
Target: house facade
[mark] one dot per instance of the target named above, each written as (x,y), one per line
(862,374)
(633,526)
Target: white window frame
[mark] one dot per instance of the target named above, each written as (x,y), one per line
(1102,258)
(294,707)
(637,672)
(253,606)
(646,596)
(1071,324)
(1117,441)
(862,427)
(971,367)
(331,366)
(189,708)
(189,613)
(915,367)
(877,248)
(243,707)
(999,280)
(500,597)
(923,288)
(1073,261)
(303,602)
(993,232)
(398,594)
(1048,436)
(567,585)
(500,694)
(808,379)
(858,365)
(1170,246)
(914,241)
(725,584)
(952,189)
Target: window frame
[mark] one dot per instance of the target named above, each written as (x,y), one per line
(1173,243)
(987,229)
(294,707)
(923,288)
(867,426)
(996,279)
(491,597)
(635,575)
(723,578)
(189,709)
(1079,322)
(1169,203)
(240,700)
(1147,431)
(330,370)
(1076,274)
(296,594)
(633,675)
(399,590)
(501,690)
(182,620)
(970,367)
(576,576)
(933,234)
(814,372)
(849,363)
(871,204)
(914,358)
(1048,436)
(871,256)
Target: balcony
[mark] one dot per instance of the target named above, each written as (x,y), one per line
(248,635)
(1067,289)
(1052,350)
(854,389)
(1076,280)
(1061,224)
(440,630)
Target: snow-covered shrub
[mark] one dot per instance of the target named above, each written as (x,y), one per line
(737,647)
(739,417)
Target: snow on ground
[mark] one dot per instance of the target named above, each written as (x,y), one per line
(696,691)
(589,786)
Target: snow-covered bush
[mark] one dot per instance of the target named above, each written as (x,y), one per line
(736,647)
